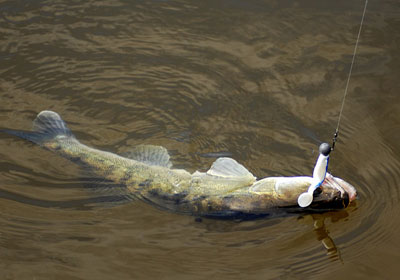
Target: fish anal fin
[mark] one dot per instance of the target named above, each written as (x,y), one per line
(229,168)
(151,155)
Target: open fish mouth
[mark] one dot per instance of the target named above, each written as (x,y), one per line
(342,186)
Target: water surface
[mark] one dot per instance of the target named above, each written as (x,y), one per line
(260,81)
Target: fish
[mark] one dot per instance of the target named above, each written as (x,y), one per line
(226,190)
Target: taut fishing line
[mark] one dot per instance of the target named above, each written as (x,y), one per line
(348,78)
(321,167)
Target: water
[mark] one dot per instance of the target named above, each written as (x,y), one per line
(260,81)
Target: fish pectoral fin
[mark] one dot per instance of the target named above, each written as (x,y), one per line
(229,168)
(151,155)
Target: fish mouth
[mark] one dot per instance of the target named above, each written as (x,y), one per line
(342,186)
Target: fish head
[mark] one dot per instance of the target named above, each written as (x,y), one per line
(283,192)
(334,193)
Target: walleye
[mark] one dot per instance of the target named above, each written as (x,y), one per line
(227,189)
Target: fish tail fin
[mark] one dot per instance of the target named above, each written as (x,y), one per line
(46,127)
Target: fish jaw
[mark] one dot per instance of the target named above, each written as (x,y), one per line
(342,185)
(334,193)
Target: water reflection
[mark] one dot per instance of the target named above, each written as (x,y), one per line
(322,231)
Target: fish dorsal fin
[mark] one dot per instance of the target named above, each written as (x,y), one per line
(151,155)
(229,168)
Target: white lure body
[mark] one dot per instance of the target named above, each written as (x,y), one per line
(319,173)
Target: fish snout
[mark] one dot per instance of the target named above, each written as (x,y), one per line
(348,188)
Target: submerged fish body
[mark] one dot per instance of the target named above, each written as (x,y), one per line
(227,189)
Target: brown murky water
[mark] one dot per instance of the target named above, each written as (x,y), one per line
(260,81)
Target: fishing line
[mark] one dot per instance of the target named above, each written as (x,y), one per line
(348,78)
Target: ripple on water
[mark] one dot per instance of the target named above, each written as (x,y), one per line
(374,171)
(252,81)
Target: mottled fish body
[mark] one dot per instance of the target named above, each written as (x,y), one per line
(226,189)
